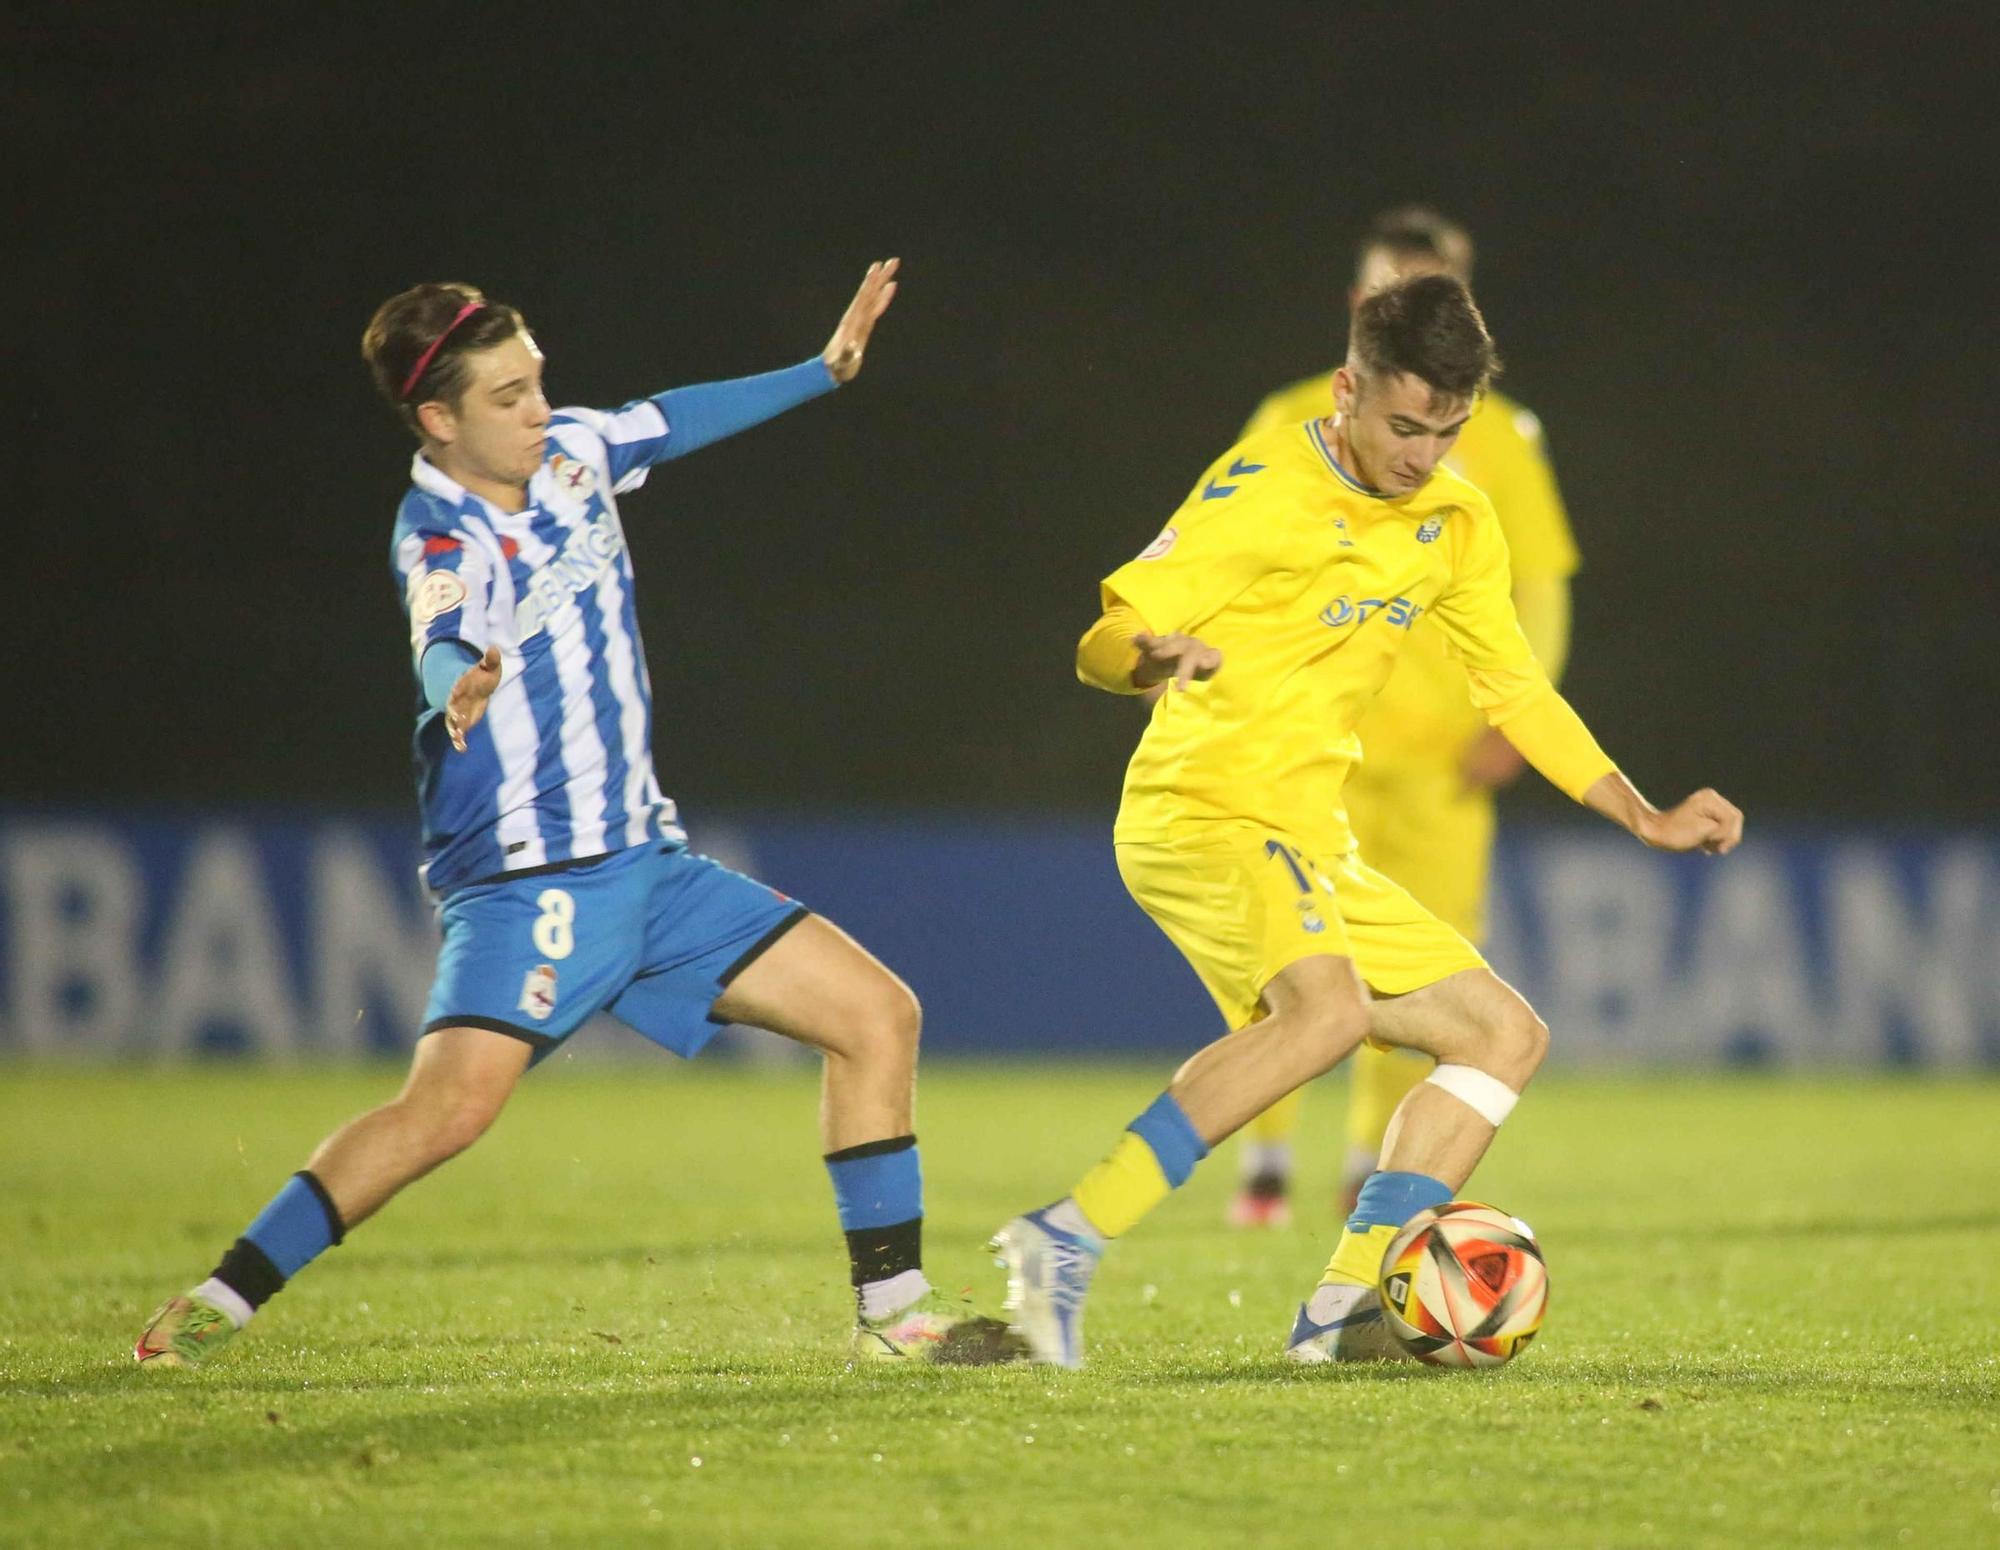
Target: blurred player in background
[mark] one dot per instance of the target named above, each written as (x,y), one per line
(565,883)
(1276,601)
(1421,799)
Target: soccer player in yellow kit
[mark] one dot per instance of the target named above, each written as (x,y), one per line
(1275,601)
(1421,799)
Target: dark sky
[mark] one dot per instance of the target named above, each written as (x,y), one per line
(1738,266)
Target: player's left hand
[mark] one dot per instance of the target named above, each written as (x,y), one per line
(844,350)
(1490,762)
(469,695)
(1705,821)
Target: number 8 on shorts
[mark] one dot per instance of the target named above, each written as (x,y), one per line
(555,927)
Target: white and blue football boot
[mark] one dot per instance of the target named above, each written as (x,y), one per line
(1343,1323)
(1048,1273)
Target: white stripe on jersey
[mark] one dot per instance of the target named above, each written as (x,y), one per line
(643,421)
(583,751)
(511,721)
(619,662)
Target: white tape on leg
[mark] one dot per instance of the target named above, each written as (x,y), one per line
(1487,1096)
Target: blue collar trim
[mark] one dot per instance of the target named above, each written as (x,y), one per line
(1333,463)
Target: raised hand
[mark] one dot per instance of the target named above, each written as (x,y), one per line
(1181,658)
(844,350)
(1705,821)
(469,695)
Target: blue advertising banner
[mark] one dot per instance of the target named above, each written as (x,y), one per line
(306,936)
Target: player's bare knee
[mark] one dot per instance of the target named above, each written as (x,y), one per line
(883,1027)
(1516,1045)
(899,1022)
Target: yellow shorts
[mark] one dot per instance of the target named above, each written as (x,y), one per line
(1419,825)
(1243,903)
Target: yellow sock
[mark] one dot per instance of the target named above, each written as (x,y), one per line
(1115,1194)
(1357,1259)
(1280,1122)
(1382,1079)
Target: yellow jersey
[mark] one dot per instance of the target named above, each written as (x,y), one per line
(1423,715)
(1311,584)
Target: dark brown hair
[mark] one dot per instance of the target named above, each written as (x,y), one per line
(1429,327)
(1417,231)
(410,322)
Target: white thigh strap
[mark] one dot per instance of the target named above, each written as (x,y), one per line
(1487,1096)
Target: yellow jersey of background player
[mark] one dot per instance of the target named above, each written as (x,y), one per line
(1421,801)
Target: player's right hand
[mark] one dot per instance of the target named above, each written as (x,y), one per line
(1181,658)
(1705,821)
(844,350)
(469,695)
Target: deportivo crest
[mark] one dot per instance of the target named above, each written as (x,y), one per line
(538,992)
(1160,545)
(572,478)
(434,592)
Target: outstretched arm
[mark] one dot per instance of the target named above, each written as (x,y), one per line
(1509,685)
(707,412)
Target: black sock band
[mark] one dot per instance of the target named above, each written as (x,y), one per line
(871,1149)
(877,1253)
(334,1225)
(248,1272)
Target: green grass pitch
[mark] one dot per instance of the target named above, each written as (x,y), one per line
(620,1320)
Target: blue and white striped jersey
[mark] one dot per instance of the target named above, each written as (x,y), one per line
(561,767)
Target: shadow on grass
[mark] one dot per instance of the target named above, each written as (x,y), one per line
(445,1421)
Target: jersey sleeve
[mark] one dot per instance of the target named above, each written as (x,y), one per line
(1217,546)
(1476,615)
(1522,487)
(1476,609)
(685,419)
(447,587)
(626,442)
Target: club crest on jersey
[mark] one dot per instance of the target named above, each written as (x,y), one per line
(572,478)
(1434,524)
(1159,546)
(434,592)
(1310,919)
(538,992)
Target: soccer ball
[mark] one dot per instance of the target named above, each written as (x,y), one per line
(1464,1286)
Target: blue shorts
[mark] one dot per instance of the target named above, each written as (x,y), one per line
(652,934)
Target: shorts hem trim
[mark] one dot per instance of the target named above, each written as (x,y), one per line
(540,1041)
(756,950)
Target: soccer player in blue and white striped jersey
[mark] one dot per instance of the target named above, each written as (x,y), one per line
(565,883)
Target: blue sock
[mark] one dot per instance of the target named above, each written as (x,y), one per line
(298,1226)
(1391,1199)
(1166,1128)
(878,1189)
